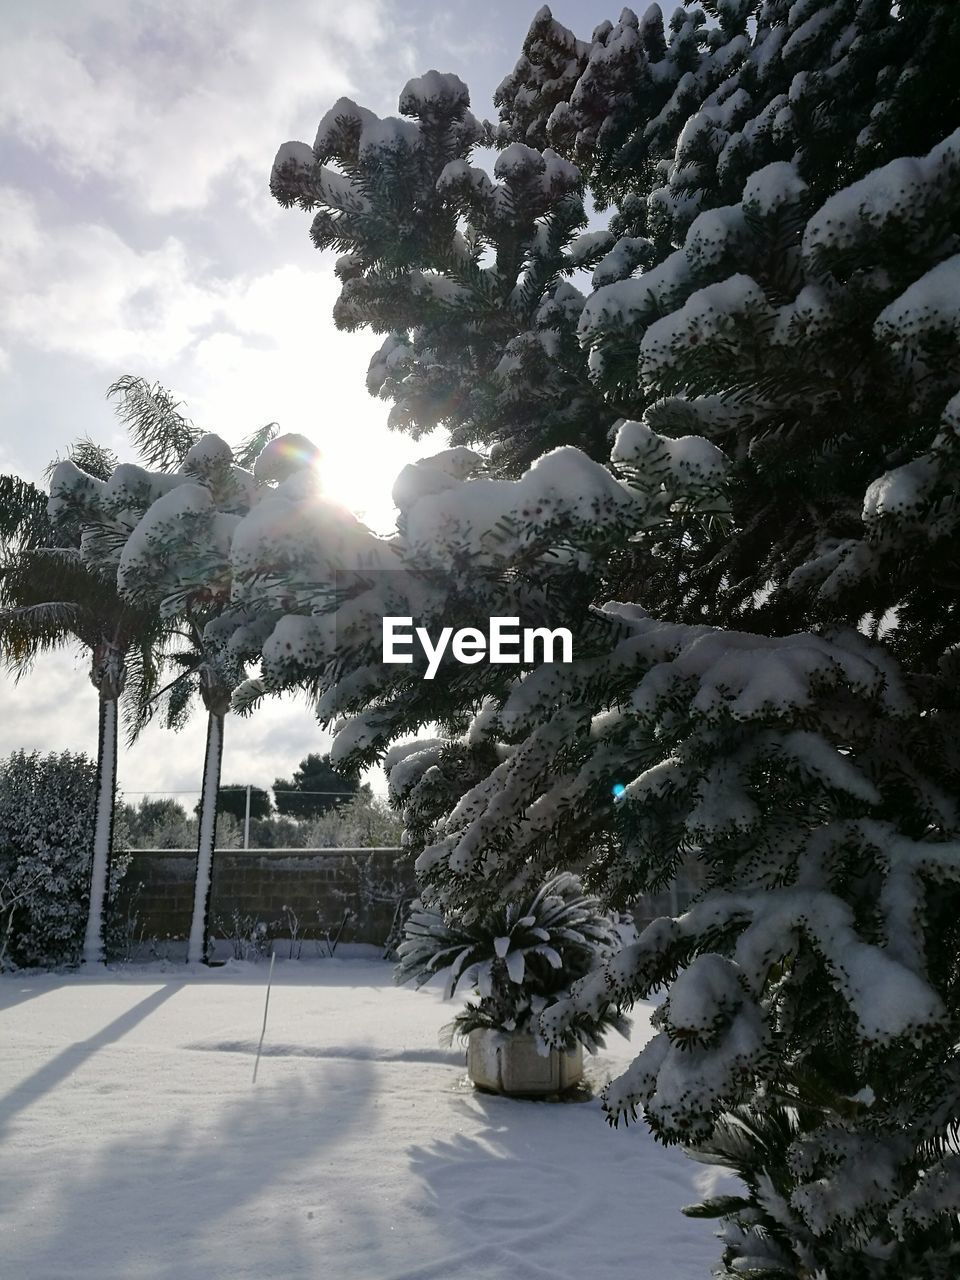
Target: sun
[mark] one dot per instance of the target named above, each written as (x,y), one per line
(357,469)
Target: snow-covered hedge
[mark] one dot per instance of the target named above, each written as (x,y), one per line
(47,810)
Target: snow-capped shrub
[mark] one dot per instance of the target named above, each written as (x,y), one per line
(518,958)
(47,810)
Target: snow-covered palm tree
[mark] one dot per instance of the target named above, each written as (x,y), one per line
(208,673)
(176,558)
(50,597)
(162,537)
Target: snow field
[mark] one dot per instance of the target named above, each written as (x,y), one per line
(133,1145)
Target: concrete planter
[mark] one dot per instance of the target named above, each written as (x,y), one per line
(507,1062)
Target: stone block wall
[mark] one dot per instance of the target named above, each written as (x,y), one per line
(325,889)
(320,887)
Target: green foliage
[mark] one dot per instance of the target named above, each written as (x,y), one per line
(47,810)
(777,279)
(360,822)
(519,958)
(315,788)
(232,799)
(278,833)
(23,515)
(161,433)
(156,823)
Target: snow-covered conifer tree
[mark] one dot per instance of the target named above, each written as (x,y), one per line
(463,272)
(760,456)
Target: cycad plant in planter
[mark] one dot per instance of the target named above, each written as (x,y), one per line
(519,957)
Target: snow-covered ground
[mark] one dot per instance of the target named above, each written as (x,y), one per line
(133,1145)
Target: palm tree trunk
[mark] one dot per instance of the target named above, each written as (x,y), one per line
(197,946)
(108,673)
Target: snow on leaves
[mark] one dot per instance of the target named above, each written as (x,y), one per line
(770,346)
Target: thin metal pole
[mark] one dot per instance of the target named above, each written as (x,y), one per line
(266,1006)
(246,822)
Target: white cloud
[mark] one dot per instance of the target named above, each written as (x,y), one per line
(88,293)
(256,348)
(137,110)
(54,708)
(285,362)
(256,750)
(160,111)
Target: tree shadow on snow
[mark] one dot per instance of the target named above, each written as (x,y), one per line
(16,990)
(183,1201)
(75,1055)
(340,1053)
(518,1194)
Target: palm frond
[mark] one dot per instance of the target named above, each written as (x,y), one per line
(161,433)
(144,664)
(60,556)
(40,575)
(250,449)
(179,697)
(23,514)
(51,587)
(96,459)
(56,612)
(26,633)
(248,695)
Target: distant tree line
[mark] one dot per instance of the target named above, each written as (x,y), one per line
(316,808)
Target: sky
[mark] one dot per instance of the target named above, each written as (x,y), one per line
(138,235)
